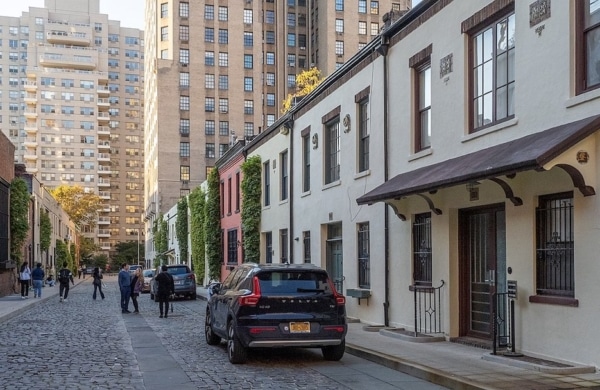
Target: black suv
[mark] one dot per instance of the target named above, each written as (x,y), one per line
(276,305)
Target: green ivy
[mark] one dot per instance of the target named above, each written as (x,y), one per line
(212,228)
(19,217)
(197,204)
(251,210)
(45,230)
(63,254)
(181,228)
(161,239)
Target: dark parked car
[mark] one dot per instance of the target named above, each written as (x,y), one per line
(184,278)
(276,305)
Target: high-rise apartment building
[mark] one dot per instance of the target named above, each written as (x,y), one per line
(218,70)
(71,101)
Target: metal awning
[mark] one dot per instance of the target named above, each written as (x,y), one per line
(539,151)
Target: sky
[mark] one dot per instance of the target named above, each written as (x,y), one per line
(129,12)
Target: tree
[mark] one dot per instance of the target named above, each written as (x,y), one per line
(19,217)
(82,207)
(251,212)
(100,261)
(126,252)
(87,249)
(181,228)
(197,204)
(161,240)
(306,82)
(63,255)
(213,226)
(45,230)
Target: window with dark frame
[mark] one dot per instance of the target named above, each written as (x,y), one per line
(492,79)
(232,247)
(237,192)
(555,257)
(306,247)
(422,254)
(306,162)
(268,247)
(222,198)
(283,168)
(363,130)
(423,115)
(364,259)
(283,244)
(332,151)
(229,196)
(267,183)
(588,45)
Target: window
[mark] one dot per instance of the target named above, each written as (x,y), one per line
(223,14)
(339,48)
(248,39)
(184,10)
(223,128)
(270,58)
(493,73)
(339,25)
(164,10)
(364,259)
(184,79)
(423,114)
(306,161)
(223,82)
(209,58)
(210,150)
(39,21)
(184,149)
(232,247)
(555,275)
(267,184)
(248,84)
(375,7)
(184,173)
(362,6)
(184,103)
(283,245)
(270,37)
(209,104)
(223,106)
(269,17)
(209,12)
(291,19)
(283,168)
(421,236)
(339,5)
(248,60)
(184,33)
(270,79)
(306,246)
(184,56)
(223,148)
(291,60)
(363,133)
(184,126)
(248,107)
(291,40)
(248,129)
(588,56)
(248,16)
(223,36)
(209,127)
(268,247)
(209,34)
(362,28)
(229,192)
(291,80)
(270,99)
(332,151)
(223,59)
(209,81)
(237,191)
(164,33)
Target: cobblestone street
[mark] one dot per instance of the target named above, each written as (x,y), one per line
(87,344)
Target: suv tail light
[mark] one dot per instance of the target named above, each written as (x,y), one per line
(251,299)
(191,277)
(340,300)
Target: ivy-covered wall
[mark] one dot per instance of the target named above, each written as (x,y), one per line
(251,208)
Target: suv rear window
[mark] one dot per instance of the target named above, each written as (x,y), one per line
(283,282)
(178,270)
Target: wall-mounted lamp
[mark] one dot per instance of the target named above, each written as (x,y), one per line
(315,141)
(297,239)
(346,122)
(473,189)
(287,126)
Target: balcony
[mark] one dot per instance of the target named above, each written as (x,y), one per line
(30,98)
(103,156)
(68,38)
(105,246)
(103,220)
(30,86)
(30,113)
(31,128)
(31,169)
(30,157)
(104,170)
(103,117)
(103,102)
(103,90)
(104,194)
(104,145)
(103,130)
(103,232)
(51,60)
(104,183)
(31,142)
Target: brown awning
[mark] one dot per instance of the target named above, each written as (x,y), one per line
(523,154)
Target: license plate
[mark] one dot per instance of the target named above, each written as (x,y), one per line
(299,327)
(179,282)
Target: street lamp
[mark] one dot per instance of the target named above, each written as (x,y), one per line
(138,246)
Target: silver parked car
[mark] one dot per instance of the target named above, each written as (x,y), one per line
(184,278)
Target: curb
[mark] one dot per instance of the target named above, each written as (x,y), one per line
(437,377)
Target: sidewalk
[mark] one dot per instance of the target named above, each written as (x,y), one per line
(452,365)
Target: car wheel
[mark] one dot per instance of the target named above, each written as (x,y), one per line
(236,353)
(193,297)
(334,352)
(211,337)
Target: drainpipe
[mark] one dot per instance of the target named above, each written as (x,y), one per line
(290,124)
(383,50)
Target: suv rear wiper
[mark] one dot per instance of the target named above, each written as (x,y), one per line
(317,290)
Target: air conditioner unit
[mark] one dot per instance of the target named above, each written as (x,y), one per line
(184,65)
(302,47)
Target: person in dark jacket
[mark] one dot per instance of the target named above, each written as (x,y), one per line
(136,287)
(37,276)
(64,277)
(125,287)
(97,282)
(166,287)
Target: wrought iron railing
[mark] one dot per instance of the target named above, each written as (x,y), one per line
(501,337)
(428,309)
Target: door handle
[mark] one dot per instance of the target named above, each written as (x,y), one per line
(492,277)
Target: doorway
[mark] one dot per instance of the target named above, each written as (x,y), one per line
(335,261)
(482,262)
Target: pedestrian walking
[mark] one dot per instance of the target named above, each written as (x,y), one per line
(166,287)
(64,277)
(79,272)
(125,287)
(24,279)
(37,276)
(136,287)
(97,282)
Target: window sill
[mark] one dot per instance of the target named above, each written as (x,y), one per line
(583,98)
(562,301)
(307,193)
(284,201)
(266,207)
(332,184)
(362,174)
(420,154)
(491,129)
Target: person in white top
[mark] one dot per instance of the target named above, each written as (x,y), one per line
(25,279)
